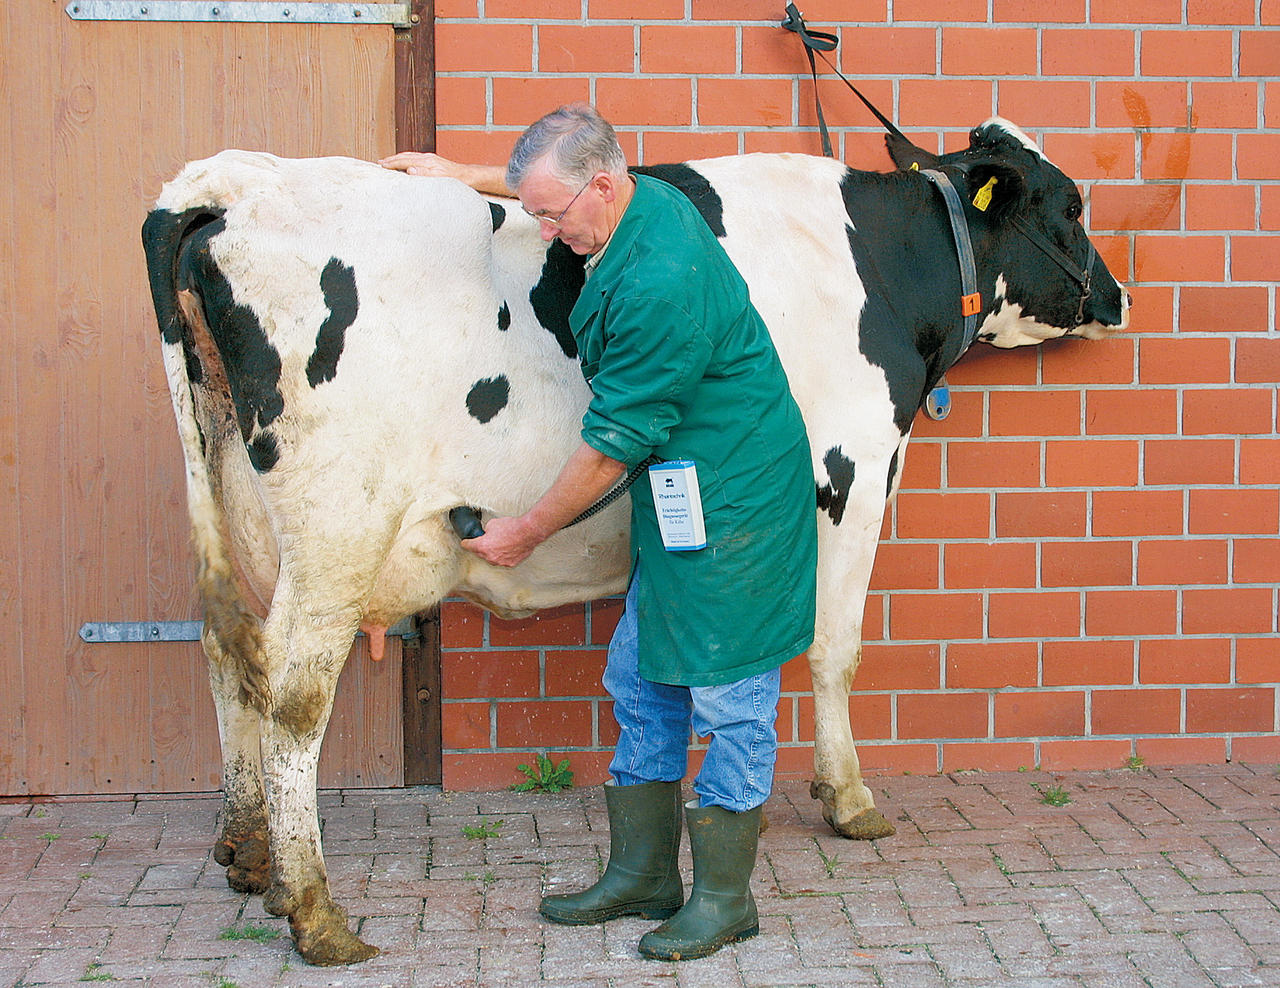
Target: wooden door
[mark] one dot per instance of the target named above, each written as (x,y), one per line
(92,507)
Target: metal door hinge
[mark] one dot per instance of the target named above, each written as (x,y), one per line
(242,11)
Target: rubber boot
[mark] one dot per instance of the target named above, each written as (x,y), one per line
(642,877)
(721,908)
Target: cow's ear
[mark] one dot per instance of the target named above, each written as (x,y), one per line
(995,188)
(906,155)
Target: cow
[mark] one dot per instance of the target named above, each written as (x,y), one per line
(353,353)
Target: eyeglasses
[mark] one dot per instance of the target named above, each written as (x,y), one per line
(544,218)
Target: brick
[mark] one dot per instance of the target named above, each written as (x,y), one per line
(1236,512)
(1185,52)
(1176,661)
(942,715)
(1091,462)
(1258,361)
(654,10)
(1143,513)
(987,464)
(1183,156)
(873,612)
(1271,111)
(604,619)
(1184,360)
(1255,561)
(1043,614)
(1136,207)
(586,48)
(465,771)
(1224,104)
(1220,207)
(838,103)
(489,674)
(555,626)
(988,756)
(988,366)
(461,100)
(1258,660)
(1226,309)
(1041,514)
(1181,258)
(897,758)
(1049,103)
(786,142)
(1086,52)
(1135,11)
(1034,11)
(474,145)
(939,102)
(889,51)
(872,713)
(940,10)
(1259,53)
(1130,612)
(660,147)
(1154,305)
(461,625)
(543,723)
(647,102)
(1049,713)
(768,51)
(1234,611)
(1024,413)
(1086,564)
(460,47)
(1179,562)
(1181,751)
(744,102)
(905,566)
(1237,711)
(1089,362)
(928,617)
(965,420)
(607,724)
(1259,461)
(456,8)
(1142,104)
(1091,156)
(943,515)
(1083,754)
(1220,11)
(988,51)
(1227,412)
(691,49)
(1255,155)
(890,666)
(1263,750)
(1146,711)
(464,725)
(537,10)
(1254,257)
(575,672)
(1188,461)
(992,665)
(1131,413)
(982,565)
(519,101)
(922,469)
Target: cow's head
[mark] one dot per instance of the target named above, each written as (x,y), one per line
(1050,282)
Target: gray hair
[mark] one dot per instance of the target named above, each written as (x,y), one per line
(576,141)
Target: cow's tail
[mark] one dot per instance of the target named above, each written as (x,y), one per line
(200,393)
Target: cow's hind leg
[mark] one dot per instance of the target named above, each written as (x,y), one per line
(306,655)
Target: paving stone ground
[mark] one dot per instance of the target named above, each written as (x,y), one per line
(1145,878)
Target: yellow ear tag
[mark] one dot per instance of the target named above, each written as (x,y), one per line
(915,166)
(983,198)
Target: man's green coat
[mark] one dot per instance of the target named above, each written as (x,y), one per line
(680,365)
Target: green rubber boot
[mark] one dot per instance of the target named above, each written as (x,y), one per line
(721,908)
(642,877)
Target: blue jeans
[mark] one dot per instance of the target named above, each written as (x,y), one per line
(654,721)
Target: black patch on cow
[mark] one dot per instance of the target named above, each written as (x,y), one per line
(557,289)
(264,452)
(251,363)
(338,282)
(498,215)
(695,187)
(893,472)
(504,318)
(488,397)
(834,496)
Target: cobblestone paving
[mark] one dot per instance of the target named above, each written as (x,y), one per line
(1145,878)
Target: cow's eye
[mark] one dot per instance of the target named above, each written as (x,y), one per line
(1073,212)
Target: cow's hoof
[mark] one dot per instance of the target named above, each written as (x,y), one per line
(321,936)
(247,860)
(867,825)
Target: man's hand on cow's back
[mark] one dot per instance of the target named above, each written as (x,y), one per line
(505,542)
(483,178)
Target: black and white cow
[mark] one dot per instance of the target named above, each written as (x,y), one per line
(353,352)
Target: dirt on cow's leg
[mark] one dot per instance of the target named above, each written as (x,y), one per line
(856,824)
(319,926)
(246,855)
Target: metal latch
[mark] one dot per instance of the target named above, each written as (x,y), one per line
(181,631)
(242,11)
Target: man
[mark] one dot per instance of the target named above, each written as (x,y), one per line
(680,366)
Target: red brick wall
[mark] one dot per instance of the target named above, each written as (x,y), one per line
(1082,564)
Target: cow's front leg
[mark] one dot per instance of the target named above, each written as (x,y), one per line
(242,846)
(847,803)
(302,699)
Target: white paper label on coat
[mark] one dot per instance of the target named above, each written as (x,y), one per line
(678,503)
